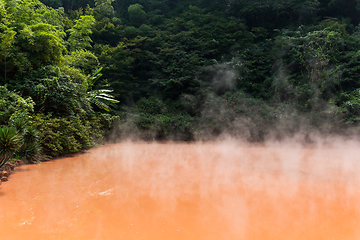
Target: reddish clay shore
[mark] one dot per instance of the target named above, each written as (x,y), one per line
(6,170)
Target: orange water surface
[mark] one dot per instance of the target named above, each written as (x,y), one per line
(200,191)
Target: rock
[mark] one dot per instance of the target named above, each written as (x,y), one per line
(19,162)
(7,168)
(11,165)
(5,171)
(4,174)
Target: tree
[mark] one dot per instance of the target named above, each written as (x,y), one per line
(99,97)
(272,14)
(83,60)
(104,9)
(118,65)
(80,33)
(7,34)
(43,44)
(137,15)
(32,38)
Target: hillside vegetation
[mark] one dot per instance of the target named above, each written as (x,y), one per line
(177,70)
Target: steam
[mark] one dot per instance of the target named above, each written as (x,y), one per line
(240,115)
(223,77)
(221,110)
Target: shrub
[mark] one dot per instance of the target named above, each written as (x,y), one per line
(64,135)
(13,106)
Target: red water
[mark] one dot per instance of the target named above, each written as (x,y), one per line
(187,191)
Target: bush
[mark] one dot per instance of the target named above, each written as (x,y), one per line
(63,135)
(159,121)
(13,106)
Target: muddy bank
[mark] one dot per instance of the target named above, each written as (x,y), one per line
(6,170)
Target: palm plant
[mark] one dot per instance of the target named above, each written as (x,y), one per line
(99,97)
(10,142)
(30,148)
(20,140)
(19,124)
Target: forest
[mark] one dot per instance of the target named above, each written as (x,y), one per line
(75,73)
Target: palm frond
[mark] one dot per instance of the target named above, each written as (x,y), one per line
(102,105)
(106,95)
(91,80)
(9,140)
(99,97)
(98,91)
(107,99)
(30,151)
(19,124)
(31,135)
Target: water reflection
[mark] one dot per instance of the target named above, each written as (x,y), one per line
(186,191)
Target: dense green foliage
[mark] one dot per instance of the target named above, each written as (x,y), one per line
(49,72)
(17,136)
(179,70)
